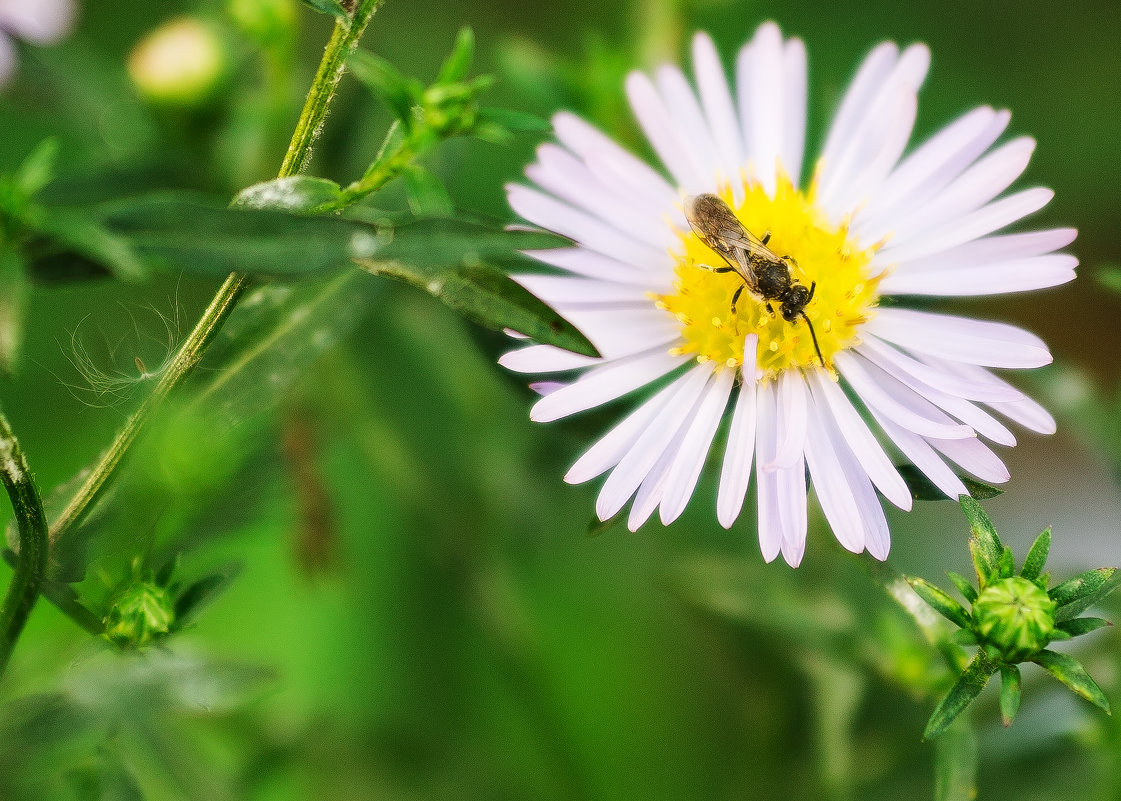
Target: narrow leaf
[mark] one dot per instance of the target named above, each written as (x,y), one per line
(75,231)
(1009,693)
(1082,625)
(14,290)
(440,243)
(38,168)
(955,764)
(940,601)
(190,601)
(426,193)
(984,545)
(514,121)
(967,590)
(383,79)
(968,686)
(1037,555)
(294,193)
(458,62)
(1076,595)
(332,7)
(1007,565)
(1070,672)
(964,637)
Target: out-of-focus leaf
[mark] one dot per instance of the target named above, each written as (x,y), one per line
(1070,672)
(940,601)
(512,120)
(13,303)
(1082,625)
(1074,596)
(194,597)
(968,686)
(77,231)
(185,233)
(1037,556)
(38,169)
(398,92)
(491,298)
(332,7)
(443,242)
(955,764)
(294,193)
(107,779)
(426,193)
(1009,693)
(923,489)
(458,62)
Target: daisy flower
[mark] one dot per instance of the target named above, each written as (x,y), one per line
(881,385)
(40,22)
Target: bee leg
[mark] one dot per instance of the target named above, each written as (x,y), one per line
(766,238)
(813,286)
(711,269)
(792,261)
(770,310)
(736,297)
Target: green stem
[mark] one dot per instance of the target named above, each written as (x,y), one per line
(32,525)
(343,40)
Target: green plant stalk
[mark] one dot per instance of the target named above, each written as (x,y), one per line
(343,41)
(31,522)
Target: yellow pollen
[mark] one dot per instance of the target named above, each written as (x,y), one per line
(820,251)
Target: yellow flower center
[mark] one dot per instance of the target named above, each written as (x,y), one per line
(821,255)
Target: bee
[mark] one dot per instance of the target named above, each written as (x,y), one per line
(764,272)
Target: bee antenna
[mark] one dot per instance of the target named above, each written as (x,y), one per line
(813,336)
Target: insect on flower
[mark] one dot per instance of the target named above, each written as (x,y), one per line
(763,271)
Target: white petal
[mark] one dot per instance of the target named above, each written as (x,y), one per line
(960,339)
(974,457)
(1029,414)
(593,146)
(760,82)
(561,291)
(994,249)
(544,359)
(859,97)
(603,384)
(717,102)
(43,22)
(1037,272)
(922,456)
(792,413)
(910,370)
(622,332)
(638,461)
(595,265)
(868,452)
(614,445)
(652,489)
(766,481)
(664,135)
(594,234)
(8,59)
(885,395)
(790,486)
(690,459)
(683,108)
(794,102)
(735,473)
(976,224)
(830,482)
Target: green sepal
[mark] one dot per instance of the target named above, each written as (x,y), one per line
(427,195)
(458,62)
(923,489)
(1007,563)
(968,686)
(190,600)
(984,544)
(1037,556)
(38,169)
(294,193)
(967,590)
(1082,625)
(1010,684)
(333,7)
(940,601)
(963,637)
(1070,672)
(1074,596)
(398,92)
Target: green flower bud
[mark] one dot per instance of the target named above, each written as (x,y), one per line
(272,23)
(1014,616)
(141,614)
(181,63)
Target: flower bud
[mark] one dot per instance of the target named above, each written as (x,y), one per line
(140,615)
(181,63)
(1014,616)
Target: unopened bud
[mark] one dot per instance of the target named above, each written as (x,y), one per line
(1014,616)
(181,63)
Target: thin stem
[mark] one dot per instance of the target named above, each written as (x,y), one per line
(33,548)
(343,40)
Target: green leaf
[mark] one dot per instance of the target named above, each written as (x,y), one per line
(955,764)
(596,527)
(191,600)
(14,290)
(458,62)
(963,637)
(183,232)
(984,544)
(491,298)
(1009,693)
(1070,672)
(1082,625)
(78,232)
(447,242)
(426,193)
(333,7)
(1037,556)
(38,169)
(399,93)
(940,601)
(923,489)
(511,120)
(967,590)
(294,193)
(1007,563)
(1074,596)
(968,686)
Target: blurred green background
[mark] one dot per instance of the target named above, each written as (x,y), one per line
(419,611)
